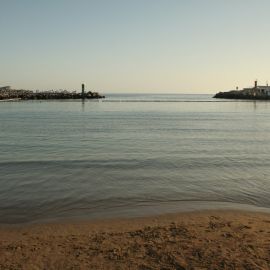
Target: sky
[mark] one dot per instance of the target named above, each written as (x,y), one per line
(143,46)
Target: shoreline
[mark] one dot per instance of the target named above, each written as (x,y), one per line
(207,239)
(140,211)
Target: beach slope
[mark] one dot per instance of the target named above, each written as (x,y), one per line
(198,240)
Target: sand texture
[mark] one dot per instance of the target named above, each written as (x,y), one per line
(199,240)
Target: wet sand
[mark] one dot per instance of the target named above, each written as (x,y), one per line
(198,240)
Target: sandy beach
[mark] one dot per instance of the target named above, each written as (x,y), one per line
(197,240)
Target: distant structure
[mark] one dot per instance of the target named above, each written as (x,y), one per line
(256,92)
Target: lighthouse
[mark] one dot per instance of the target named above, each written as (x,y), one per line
(255,84)
(83,94)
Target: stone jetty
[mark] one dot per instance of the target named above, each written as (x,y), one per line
(6,93)
(257,92)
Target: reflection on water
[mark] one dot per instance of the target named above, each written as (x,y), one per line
(83,105)
(145,154)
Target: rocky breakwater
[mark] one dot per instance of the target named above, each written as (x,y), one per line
(242,95)
(12,94)
(233,95)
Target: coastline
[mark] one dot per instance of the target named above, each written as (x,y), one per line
(208,239)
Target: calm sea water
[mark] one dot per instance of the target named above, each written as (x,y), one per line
(131,155)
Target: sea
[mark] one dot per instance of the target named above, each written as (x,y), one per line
(131,155)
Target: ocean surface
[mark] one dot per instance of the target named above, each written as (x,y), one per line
(132,155)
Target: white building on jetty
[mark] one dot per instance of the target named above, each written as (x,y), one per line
(257,90)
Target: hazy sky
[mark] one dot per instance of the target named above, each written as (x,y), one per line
(185,46)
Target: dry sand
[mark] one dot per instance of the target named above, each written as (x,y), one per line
(199,240)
